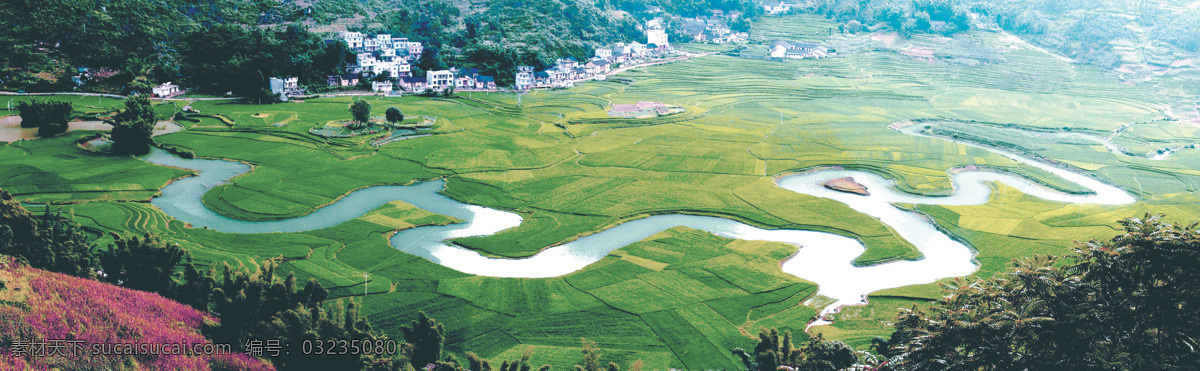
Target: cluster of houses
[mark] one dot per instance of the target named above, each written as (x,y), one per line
(382,54)
(458,79)
(714,29)
(566,71)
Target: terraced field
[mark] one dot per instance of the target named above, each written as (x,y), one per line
(681,298)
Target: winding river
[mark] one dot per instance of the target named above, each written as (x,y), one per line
(825,258)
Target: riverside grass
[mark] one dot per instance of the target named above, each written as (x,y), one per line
(569,170)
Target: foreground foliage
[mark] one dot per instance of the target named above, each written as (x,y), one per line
(1128,303)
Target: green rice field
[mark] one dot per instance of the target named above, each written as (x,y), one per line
(682,298)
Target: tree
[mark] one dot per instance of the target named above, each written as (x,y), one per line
(133,126)
(394,115)
(361,110)
(427,337)
(591,356)
(50,117)
(146,263)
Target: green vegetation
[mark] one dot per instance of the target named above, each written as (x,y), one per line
(1104,33)
(681,298)
(50,117)
(132,127)
(211,46)
(814,354)
(1097,308)
(394,115)
(361,110)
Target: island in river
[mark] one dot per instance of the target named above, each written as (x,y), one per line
(848,185)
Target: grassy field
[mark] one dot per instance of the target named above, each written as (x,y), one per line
(682,298)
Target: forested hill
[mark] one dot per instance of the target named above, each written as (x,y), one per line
(214,45)
(233,45)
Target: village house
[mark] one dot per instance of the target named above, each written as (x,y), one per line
(165,90)
(343,80)
(798,50)
(637,48)
(541,78)
(464,82)
(603,53)
(285,87)
(568,62)
(657,36)
(695,29)
(524,79)
(354,40)
(412,84)
(439,80)
(597,67)
(485,82)
(381,86)
(775,7)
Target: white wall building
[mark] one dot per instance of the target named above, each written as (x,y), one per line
(657,36)
(353,39)
(637,48)
(438,80)
(524,78)
(381,86)
(165,89)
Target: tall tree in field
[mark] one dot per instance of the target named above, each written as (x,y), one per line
(591,356)
(427,338)
(361,110)
(394,115)
(133,126)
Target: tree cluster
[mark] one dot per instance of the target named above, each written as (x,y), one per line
(1129,303)
(49,241)
(215,47)
(234,58)
(773,352)
(50,117)
(906,18)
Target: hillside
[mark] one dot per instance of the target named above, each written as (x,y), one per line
(225,46)
(39,306)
